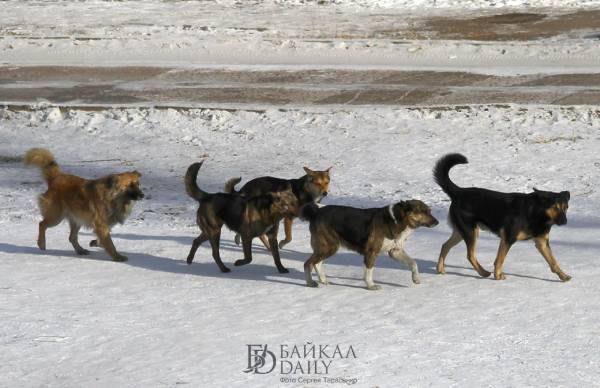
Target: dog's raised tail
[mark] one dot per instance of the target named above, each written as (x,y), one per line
(309,211)
(441,172)
(230,185)
(44,160)
(190,182)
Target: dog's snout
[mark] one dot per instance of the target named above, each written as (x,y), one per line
(434,221)
(325,194)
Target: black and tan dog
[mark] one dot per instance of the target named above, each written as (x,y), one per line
(366,231)
(249,216)
(98,203)
(510,216)
(311,187)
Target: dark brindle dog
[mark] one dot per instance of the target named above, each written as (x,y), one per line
(510,216)
(311,187)
(366,231)
(249,216)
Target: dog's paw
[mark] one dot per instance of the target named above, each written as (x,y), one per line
(282,243)
(416,279)
(283,270)
(83,252)
(312,284)
(500,276)
(564,277)
(484,273)
(120,258)
(374,287)
(441,270)
(189,260)
(241,262)
(42,246)
(94,243)
(225,270)
(323,282)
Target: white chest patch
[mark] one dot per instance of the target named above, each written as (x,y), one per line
(397,243)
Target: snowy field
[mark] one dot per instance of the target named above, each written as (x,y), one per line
(71,321)
(153,321)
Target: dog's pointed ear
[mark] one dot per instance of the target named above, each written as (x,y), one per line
(308,171)
(566,195)
(329,169)
(137,173)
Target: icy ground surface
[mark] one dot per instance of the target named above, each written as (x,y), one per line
(154,321)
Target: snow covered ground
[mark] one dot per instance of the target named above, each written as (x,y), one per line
(71,321)
(68,321)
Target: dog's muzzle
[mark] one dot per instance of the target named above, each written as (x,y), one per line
(433,222)
(135,195)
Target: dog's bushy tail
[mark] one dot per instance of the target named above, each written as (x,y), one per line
(309,211)
(230,185)
(442,169)
(190,182)
(44,160)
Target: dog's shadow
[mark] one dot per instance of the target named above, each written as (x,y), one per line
(254,271)
(341,258)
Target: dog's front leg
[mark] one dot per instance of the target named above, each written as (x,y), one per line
(287,225)
(272,234)
(401,256)
(369,268)
(247,245)
(543,246)
(106,241)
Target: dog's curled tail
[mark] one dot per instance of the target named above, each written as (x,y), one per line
(44,160)
(230,185)
(190,182)
(442,169)
(309,211)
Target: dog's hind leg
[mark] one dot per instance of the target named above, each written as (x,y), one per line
(321,273)
(247,245)
(215,240)
(287,224)
(454,239)
(401,256)
(543,246)
(369,268)
(195,244)
(73,238)
(265,240)
(52,217)
(471,240)
(308,267)
(275,249)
